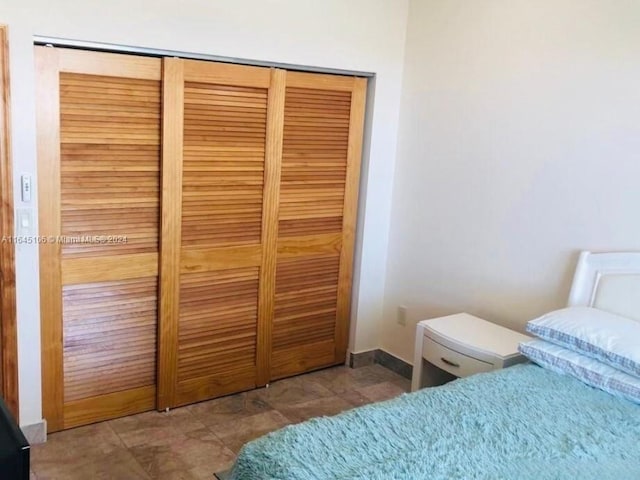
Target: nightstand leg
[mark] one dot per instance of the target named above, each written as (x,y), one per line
(416,380)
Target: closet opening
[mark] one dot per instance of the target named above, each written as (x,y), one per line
(217,207)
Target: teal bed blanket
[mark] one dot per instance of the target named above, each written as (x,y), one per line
(520,423)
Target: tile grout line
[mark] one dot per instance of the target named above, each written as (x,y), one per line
(128,449)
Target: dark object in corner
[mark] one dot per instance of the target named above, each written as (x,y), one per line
(14,448)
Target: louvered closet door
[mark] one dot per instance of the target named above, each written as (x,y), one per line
(99,173)
(323,123)
(222,131)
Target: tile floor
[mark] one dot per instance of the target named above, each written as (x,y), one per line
(193,442)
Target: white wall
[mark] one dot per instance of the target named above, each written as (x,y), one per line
(519,145)
(366,35)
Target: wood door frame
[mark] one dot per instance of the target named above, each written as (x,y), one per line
(8,324)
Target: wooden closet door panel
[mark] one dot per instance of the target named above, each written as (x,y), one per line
(305,313)
(217,333)
(212,259)
(323,122)
(99,165)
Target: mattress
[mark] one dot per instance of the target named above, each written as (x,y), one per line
(523,422)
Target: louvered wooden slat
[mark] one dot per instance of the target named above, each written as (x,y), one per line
(217,326)
(305,310)
(109,337)
(109,187)
(316,133)
(110,150)
(224,147)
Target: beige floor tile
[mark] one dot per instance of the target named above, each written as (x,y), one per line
(373,374)
(190,452)
(146,427)
(233,407)
(337,379)
(320,407)
(343,379)
(203,473)
(293,390)
(177,475)
(355,398)
(381,391)
(404,384)
(75,445)
(116,465)
(236,433)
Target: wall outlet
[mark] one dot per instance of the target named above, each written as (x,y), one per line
(402,315)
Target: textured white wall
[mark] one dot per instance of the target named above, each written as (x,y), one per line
(366,35)
(519,145)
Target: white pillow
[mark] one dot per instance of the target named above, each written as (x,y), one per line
(610,338)
(586,369)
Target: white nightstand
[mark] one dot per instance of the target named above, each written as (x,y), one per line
(461,345)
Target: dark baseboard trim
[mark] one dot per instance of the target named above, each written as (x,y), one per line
(362,359)
(394,364)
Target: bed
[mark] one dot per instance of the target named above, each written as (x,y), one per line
(523,422)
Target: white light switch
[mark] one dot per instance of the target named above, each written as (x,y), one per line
(24,221)
(25,181)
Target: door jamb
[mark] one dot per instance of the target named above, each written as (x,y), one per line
(8,324)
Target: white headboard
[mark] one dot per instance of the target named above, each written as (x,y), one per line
(608,281)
